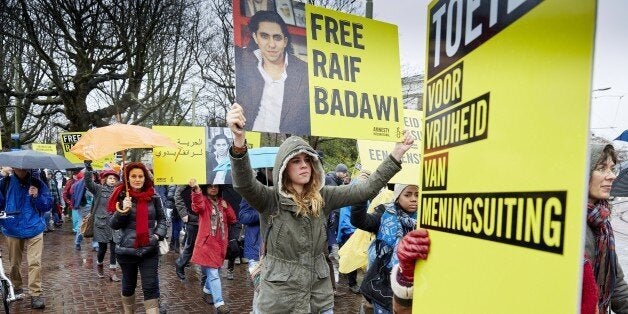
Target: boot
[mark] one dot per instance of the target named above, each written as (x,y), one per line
(151,306)
(112,275)
(100,270)
(128,304)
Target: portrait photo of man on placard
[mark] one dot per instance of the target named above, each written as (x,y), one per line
(271,82)
(217,162)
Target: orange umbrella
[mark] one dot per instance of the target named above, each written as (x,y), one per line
(100,142)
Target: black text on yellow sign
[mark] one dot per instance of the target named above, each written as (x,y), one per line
(434,174)
(457,27)
(334,66)
(463,124)
(534,220)
(444,90)
(381,155)
(69,139)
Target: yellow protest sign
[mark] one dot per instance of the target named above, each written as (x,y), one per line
(372,153)
(253,139)
(503,176)
(331,74)
(355,85)
(45,148)
(68,139)
(178,166)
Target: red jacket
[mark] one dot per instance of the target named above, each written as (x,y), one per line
(210,248)
(67,194)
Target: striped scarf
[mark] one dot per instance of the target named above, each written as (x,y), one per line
(604,266)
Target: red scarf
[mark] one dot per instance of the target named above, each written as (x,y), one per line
(141,199)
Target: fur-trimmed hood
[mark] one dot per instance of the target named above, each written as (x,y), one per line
(291,147)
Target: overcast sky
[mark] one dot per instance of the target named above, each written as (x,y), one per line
(609,108)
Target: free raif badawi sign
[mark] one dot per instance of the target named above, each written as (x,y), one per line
(504,155)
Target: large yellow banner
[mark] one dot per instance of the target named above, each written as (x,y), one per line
(372,153)
(68,139)
(178,166)
(355,81)
(504,155)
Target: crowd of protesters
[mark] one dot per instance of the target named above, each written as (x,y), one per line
(293,217)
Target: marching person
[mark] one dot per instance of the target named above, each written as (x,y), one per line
(215,215)
(390,222)
(183,203)
(25,198)
(295,274)
(142,223)
(103,234)
(600,238)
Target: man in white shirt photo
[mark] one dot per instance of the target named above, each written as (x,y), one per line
(271,83)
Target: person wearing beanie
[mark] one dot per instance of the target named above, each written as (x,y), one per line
(337,177)
(82,200)
(389,222)
(139,216)
(103,234)
(600,239)
(294,277)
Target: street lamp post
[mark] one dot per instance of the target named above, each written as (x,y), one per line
(601,89)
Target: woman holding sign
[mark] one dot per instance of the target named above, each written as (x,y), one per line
(600,239)
(295,274)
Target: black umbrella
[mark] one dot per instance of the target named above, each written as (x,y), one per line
(31,159)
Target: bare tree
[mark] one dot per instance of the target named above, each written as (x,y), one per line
(94,59)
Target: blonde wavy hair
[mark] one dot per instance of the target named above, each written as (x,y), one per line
(310,202)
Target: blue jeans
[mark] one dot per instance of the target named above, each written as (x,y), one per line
(47,216)
(212,285)
(78,239)
(76,220)
(379,309)
(56,218)
(177,225)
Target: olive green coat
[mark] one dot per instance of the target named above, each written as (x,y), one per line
(295,274)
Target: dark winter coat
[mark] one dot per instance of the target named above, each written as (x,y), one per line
(126,224)
(183,203)
(102,230)
(249,217)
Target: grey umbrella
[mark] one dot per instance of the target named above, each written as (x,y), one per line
(31,159)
